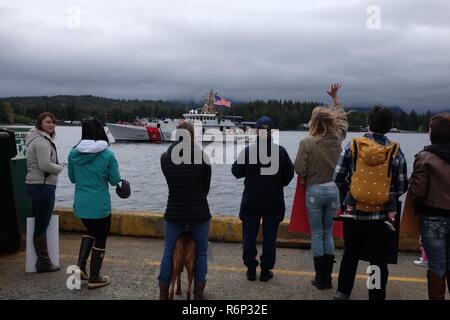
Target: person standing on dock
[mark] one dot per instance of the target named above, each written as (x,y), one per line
(315,163)
(430,187)
(263,197)
(92,165)
(188,174)
(366,235)
(40,184)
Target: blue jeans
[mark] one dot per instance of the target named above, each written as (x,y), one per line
(250,228)
(42,203)
(322,204)
(171,233)
(436,241)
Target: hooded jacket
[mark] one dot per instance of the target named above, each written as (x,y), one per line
(430,180)
(42,158)
(91,166)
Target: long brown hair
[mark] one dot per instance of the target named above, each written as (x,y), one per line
(41,118)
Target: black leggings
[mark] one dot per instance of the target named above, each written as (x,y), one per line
(98,228)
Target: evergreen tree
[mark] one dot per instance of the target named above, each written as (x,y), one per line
(6,113)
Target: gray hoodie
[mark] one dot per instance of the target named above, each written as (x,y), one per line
(42,158)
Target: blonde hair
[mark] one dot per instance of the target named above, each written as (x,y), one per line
(323,122)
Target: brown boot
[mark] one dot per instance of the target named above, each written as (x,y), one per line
(448,281)
(43,263)
(199,288)
(164,290)
(436,286)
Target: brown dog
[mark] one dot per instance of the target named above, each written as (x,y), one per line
(183,256)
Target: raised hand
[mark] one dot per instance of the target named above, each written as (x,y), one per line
(334,89)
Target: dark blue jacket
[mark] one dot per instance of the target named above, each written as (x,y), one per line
(263,193)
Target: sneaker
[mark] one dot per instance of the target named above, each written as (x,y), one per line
(341,296)
(265,275)
(421,262)
(390,224)
(251,274)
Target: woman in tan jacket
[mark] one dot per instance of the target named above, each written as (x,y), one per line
(315,163)
(40,184)
(430,185)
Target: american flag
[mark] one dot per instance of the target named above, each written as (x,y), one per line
(218,101)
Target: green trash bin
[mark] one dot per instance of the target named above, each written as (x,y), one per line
(16,206)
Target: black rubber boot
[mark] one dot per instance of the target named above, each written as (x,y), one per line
(251,274)
(199,288)
(43,263)
(265,275)
(319,267)
(95,279)
(328,271)
(87,242)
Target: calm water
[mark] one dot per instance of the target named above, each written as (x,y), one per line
(140,164)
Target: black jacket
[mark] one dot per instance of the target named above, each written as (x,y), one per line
(263,193)
(188,187)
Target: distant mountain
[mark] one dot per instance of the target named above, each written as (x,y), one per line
(367,109)
(83,100)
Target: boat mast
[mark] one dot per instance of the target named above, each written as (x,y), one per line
(208,107)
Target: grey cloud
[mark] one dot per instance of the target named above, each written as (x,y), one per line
(246,49)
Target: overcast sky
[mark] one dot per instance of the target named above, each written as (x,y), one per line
(245,49)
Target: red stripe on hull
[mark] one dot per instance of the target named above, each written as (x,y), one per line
(154,134)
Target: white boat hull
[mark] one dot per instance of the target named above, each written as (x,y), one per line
(166,133)
(122,132)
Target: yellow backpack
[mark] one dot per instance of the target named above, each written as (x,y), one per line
(371,178)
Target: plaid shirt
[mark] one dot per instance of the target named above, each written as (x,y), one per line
(343,176)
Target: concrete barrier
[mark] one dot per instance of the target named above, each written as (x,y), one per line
(222,229)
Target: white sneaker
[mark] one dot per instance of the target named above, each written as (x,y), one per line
(421,263)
